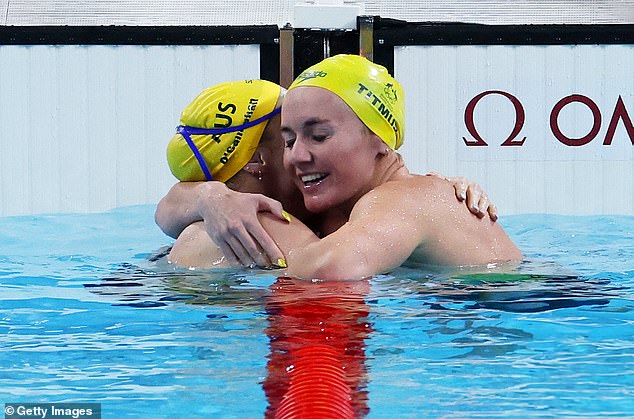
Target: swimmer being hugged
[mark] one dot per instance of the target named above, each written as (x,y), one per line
(342,121)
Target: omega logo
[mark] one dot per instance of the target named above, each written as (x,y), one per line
(619,113)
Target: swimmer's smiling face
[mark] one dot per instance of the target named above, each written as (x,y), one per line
(329,151)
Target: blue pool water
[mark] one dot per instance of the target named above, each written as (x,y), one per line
(85,317)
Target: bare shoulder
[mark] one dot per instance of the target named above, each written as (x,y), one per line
(194,248)
(446,232)
(416,184)
(414,192)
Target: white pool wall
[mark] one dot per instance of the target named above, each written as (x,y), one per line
(544,174)
(85,128)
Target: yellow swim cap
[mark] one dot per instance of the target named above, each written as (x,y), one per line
(221,129)
(375,96)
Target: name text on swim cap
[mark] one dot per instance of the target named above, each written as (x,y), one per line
(253,102)
(379,105)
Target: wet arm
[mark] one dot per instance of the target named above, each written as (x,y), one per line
(194,248)
(179,208)
(230,219)
(376,239)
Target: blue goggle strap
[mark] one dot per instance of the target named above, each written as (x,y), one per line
(187,131)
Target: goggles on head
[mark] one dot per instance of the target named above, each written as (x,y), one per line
(187,131)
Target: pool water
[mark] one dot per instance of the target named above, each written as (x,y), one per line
(86,317)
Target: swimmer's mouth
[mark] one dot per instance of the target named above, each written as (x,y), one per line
(313,179)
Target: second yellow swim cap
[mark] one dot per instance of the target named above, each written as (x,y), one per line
(220,130)
(368,88)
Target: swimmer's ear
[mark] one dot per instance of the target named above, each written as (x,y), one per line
(255,166)
(381,148)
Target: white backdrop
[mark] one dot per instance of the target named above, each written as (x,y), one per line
(85,128)
(578,167)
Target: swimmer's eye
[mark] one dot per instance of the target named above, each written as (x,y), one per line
(288,143)
(319,133)
(319,138)
(288,136)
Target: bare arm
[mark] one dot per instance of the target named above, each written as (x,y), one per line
(386,227)
(194,247)
(179,208)
(417,218)
(341,255)
(383,230)
(230,219)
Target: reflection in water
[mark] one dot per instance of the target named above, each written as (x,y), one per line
(316,365)
(318,330)
(522,293)
(533,286)
(133,286)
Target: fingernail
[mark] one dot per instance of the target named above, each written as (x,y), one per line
(287,217)
(281,263)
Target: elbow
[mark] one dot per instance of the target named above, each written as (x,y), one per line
(162,220)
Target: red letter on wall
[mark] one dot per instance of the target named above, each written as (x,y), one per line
(619,113)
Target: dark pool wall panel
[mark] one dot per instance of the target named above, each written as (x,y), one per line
(390,33)
(266,36)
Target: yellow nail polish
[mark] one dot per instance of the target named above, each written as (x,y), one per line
(287,217)
(281,263)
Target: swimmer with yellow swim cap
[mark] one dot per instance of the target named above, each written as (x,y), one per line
(221,128)
(367,88)
(230,134)
(342,121)
(340,153)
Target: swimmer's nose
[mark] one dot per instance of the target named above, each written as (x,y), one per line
(298,154)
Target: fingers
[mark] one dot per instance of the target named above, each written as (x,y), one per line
(236,248)
(477,201)
(479,204)
(231,221)
(493,212)
(475,198)
(460,184)
(229,254)
(274,207)
(268,247)
(245,248)
(482,205)
(250,246)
